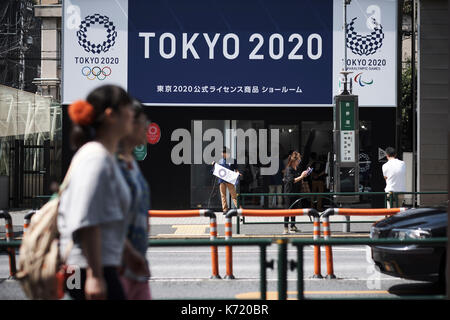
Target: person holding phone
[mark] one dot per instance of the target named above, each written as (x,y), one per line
(294,183)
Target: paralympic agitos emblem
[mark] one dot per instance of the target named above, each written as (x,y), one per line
(367,44)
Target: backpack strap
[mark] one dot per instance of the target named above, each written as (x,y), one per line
(67,250)
(62,188)
(66,180)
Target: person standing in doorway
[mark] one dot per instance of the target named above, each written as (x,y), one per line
(224,185)
(394,172)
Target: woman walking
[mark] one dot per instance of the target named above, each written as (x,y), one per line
(136,286)
(293,181)
(94,205)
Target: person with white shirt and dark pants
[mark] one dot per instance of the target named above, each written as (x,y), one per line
(394,172)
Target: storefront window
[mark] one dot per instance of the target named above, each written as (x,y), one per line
(204,188)
(319,134)
(313,139)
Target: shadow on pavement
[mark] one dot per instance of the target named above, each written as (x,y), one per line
(416,289)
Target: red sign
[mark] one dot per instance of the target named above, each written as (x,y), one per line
(153,133)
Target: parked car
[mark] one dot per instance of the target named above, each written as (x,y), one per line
(415,262)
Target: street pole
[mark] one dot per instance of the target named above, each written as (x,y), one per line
(345,46)
(447,272)
(345,72)
(21,50)
(413,99)
(346,226)
(345,36)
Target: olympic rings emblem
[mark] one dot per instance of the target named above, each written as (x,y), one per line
(96,72)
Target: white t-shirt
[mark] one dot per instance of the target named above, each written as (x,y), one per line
(97,195)
(395,172)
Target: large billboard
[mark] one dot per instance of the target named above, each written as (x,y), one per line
(371,50)
(232,53)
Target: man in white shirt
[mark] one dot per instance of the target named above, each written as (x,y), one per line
(394,172)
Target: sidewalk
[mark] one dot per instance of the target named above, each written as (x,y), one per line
(198,227)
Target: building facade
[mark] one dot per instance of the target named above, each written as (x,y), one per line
(306,128)
(433,108)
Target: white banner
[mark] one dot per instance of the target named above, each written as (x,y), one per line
(371,50)
(95,49)
(225,174)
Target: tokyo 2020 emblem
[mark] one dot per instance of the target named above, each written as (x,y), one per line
(97,47)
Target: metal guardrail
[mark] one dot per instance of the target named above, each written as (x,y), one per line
(9,238)
(27,220)
(326,195)
(212,229)
(395,196)
(273,213)
(261,243)
(347,212)
(390,198)
(283,263)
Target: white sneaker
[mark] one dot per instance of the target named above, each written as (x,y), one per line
(294,229)
(286,231)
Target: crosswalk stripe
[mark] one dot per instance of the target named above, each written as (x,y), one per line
(190,229)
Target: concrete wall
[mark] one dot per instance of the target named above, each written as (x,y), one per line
(50,13)
(433,99)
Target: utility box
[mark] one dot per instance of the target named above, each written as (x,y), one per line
(346,147)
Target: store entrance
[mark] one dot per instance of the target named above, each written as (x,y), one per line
(312,139)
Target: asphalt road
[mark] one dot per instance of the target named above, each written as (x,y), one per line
(356,275)
(183,273)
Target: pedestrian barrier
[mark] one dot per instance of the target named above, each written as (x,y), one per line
(390,198)
(212,229)
(347,212)
(271,213)
(330,197)
(393,197)
(27,220)
(9,237)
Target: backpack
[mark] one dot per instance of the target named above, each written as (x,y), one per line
(41,267)
(39,259)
